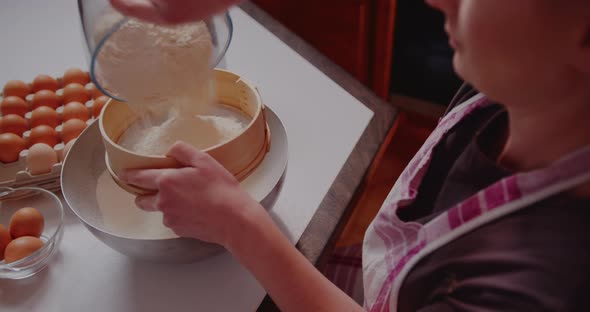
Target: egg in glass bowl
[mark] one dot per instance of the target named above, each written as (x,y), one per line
(31,228)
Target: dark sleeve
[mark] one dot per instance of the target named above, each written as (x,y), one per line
(537,259)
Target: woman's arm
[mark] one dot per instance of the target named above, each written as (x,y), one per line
(289,278)
(204,201)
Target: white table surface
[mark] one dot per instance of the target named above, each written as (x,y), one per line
(323,124)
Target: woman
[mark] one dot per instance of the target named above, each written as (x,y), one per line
(492,212)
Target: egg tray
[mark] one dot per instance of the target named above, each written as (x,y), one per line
(16,174)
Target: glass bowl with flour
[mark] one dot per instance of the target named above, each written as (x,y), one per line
(165,74)
(101,23)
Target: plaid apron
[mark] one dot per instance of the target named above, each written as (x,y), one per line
(392,247)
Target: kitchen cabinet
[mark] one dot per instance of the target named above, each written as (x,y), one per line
(355,34)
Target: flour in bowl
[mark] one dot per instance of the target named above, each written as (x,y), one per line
(117,218)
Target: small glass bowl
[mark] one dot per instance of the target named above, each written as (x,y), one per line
(52,210)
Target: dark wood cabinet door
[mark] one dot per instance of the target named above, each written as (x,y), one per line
(355,34)
(337,28)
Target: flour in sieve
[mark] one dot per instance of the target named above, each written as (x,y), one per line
(219,125)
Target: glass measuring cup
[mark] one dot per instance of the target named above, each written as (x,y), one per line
(100,21)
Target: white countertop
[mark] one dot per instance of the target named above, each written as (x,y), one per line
(323,124)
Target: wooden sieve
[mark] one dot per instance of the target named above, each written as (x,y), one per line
(240,156)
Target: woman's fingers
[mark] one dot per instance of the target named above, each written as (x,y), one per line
(187,155)
(143,178)
(147,203)
(142,9)
(168,221)
(171,11)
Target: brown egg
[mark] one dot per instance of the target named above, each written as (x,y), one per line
(44,115)
(10,147)
(75,75)
(43,134)
(14,105)
(45,82)
(22,247)
(16,88)
(40,159)
(45,98)
(75,92)
(98,105)
(75,110)
(71,129)
(26,221)
(13,124)
(93,90)
(4,240)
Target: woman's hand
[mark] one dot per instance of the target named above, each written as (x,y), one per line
(171,11)
(202,200)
